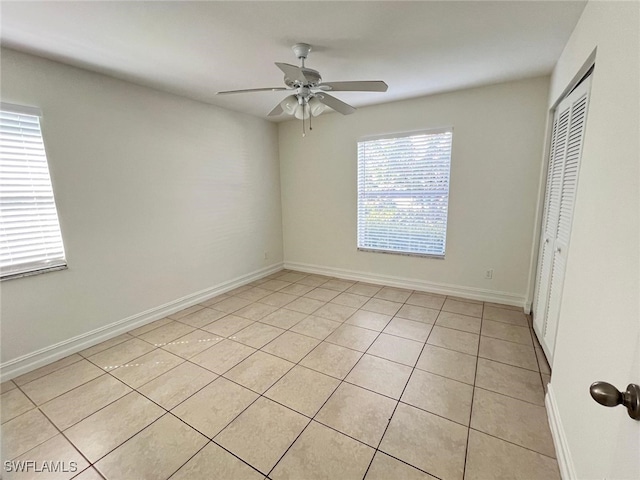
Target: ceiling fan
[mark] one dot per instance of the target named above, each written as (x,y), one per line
(311,97)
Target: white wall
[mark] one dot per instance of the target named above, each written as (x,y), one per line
(158,196)
(599,330)
(496,160)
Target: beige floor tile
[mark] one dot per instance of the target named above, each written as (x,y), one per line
(513,420)
(232,304)
(418,314)
(350,300)
(504,315)
(511,381)
(463,308)
(314,280)
(393,294)
(303,390)
(89,474)
(397,349)
(213,300)
(370,320)
(292,276)
(211,409)
(47,369)
(448,363)
(357,412)
(174,386)
(305,305)
(61,381)
(202,317)
(222,356)
(156,452)
(228,325)
(331,359)
(315,327)
(256,311)
(23,433)
(163,335)
(401,327)
(385,467)
(338,284)
(275,285)
(112,342)
(543,365)
(322,453)
(136,332)
(56,449)
(7,386)
(254,294)
(257,335)
(335,312)
(380,375)
(459,322)
(385,307)
(291,346)
(85,400)
(283,318)
(278,299)
(429,442)
(454,340)
(322,294)
(297,289)
(501,305)
(365,289)
(508,352)
(192,343)
(490,457)
(352,337)
(14,403)
(146,368)
(185,312)
(462,299)
(426,300)
(121,354)
(103,431)
(259,371)
(212,459)
(440,395)
(262,433)
(504,331)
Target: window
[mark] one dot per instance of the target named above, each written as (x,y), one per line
(403,193)
(30,239)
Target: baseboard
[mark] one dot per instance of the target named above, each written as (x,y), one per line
(44,356)
(412,283)
(563,454)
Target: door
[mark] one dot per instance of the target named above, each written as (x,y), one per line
(562,178)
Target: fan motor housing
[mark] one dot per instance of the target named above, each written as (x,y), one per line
(313,77)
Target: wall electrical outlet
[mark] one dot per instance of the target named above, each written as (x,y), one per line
(266,255)
(488,274)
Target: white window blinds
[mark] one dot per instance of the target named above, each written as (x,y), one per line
(403,193)
(30,238)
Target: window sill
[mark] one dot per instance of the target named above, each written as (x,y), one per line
(33,272)
(404,254)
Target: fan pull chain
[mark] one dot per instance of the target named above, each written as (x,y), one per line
(303,133)
(310,127)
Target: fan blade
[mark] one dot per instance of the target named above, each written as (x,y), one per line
(278,108)
(366,86)
(338,105)
(273,89)
(292,72)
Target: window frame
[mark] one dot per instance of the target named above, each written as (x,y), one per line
(400,135)
(37,268)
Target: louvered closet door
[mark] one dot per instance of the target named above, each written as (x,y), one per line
(562,183)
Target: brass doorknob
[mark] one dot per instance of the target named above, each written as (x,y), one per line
(606,394)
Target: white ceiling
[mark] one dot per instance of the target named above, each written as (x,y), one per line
(198,48)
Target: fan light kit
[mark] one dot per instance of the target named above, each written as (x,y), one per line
(311,98)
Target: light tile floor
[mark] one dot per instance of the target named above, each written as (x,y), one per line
(296,376)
